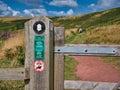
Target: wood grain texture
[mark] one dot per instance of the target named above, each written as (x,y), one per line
(89,85)
(12,74)
(59,60)
(27,57)
(39,80)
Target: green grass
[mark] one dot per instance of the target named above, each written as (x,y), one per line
(89,21)
(112,60)
(77,38)
(9,63)
(12,85)
(1,43)
(13,25)
(70,67)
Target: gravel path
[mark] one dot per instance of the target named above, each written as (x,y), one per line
(91,68)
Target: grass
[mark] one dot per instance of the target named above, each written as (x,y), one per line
(104,35)
(12,25)
(18,39)
(9,19)
(76,38)
(8,47)
(112,60)
(70,67)
(1,44)
(12,85)
(89,21)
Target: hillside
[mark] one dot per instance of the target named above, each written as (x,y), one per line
(9,19)
(89,21)
(93,24)
(11,23)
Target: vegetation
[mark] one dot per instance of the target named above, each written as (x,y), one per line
(70,65)
(1,43)
(12,25)
(113,60)
(90,21)
(13,56)
(12,85)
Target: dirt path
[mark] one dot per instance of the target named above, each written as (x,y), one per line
(91,68)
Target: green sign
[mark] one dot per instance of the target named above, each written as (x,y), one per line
(39,47)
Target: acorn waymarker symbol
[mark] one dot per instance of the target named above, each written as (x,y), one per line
(39,27)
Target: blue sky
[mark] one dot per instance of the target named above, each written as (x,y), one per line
(33,8)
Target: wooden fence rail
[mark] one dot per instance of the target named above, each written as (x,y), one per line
(12,74)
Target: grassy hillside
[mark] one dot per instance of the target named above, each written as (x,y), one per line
(9,19)
(12,24)
(87,22)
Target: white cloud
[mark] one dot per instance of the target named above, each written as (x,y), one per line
(92,5)
(108,3)
(70,12)
(31,2)
(62,13)
(5,10)
(28,13)
(105,4)
(14,12)
(61,3)
(35,12)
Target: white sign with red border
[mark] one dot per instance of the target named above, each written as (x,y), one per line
(39,66)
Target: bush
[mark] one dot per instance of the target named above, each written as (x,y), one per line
(9,53)
(20,54)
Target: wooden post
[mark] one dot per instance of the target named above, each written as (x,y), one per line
(59,60)
(27,57)
(42,29)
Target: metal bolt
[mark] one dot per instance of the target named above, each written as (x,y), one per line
(58,50)
(86,50)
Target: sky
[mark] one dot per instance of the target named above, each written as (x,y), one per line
(34,8)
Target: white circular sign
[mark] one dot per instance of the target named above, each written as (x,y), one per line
(39,66)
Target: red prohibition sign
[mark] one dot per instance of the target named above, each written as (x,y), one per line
(39,66)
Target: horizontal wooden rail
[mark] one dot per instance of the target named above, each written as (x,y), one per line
(89,85)
(89,49)
(13,74)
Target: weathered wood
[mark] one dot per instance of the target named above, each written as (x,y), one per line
(116,49)
(89,85)
(59,60)
(27,57)
(12,74)
(40,80)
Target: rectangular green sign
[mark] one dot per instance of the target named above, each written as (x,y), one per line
(39,47)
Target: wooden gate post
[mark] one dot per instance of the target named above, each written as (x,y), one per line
(39,48)
(59,59)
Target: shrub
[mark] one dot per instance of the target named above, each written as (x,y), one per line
(20,54)
(9,53)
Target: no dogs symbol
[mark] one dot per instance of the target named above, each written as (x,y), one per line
(39,66)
